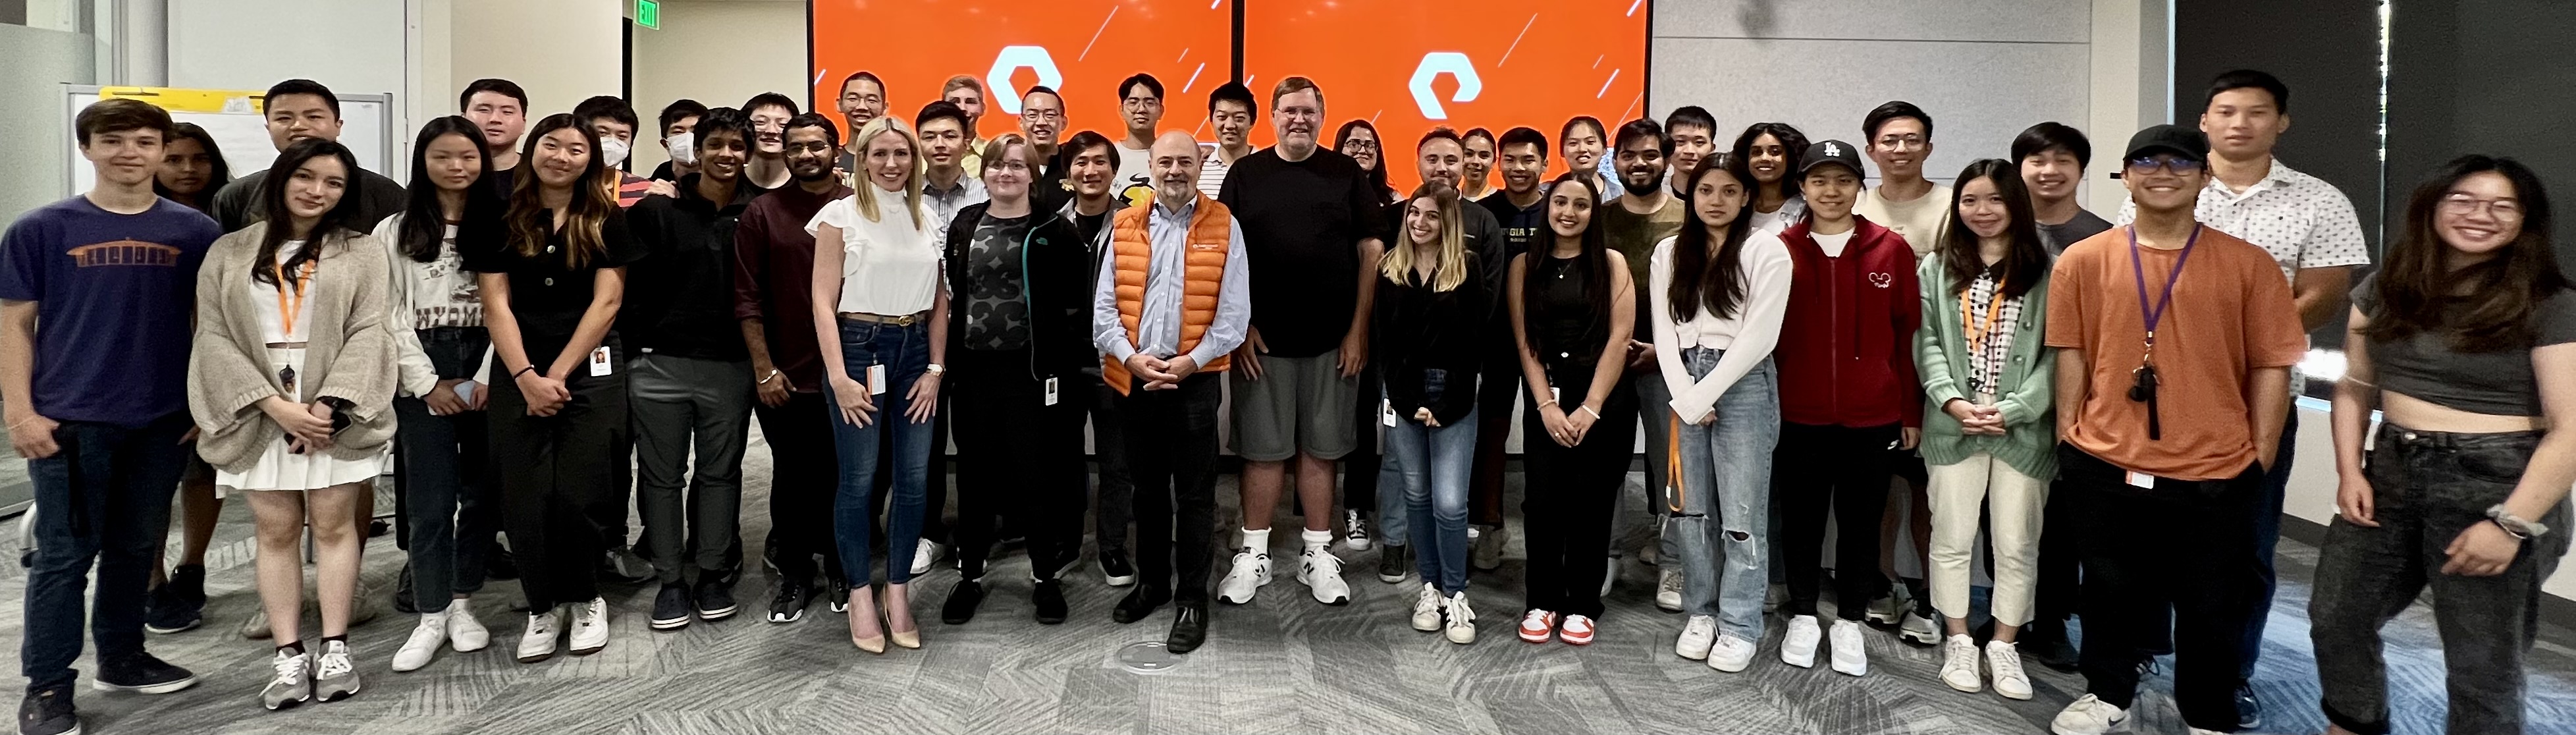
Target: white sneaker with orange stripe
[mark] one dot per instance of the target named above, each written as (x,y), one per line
(1537,626)
(1577,631)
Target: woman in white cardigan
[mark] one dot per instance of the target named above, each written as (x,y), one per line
(291,384)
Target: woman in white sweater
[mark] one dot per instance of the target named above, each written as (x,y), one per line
(1719,292)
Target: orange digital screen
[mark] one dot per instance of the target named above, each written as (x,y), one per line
(1081,49)
(1407,66)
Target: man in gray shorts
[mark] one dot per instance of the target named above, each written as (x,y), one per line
(1309,217)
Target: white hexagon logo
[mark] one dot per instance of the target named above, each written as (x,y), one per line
(1435,64)
(1010,61)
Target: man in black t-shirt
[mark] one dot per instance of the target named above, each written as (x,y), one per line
(1521,209)
(1310,222)
(298,109)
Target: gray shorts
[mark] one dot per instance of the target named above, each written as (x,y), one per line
(1300,404)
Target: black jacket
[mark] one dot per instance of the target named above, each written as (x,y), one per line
(680,297)
(1413,330)
(1056,279)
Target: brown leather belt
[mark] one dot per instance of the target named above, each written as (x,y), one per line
(895,321)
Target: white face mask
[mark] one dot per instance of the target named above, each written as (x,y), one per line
(612,152)
(684,148)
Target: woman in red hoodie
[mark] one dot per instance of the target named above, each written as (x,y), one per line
(1848,395)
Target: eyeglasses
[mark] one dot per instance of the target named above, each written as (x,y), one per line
(2175,165)
(1010,167)
(1140,103)
(1037,114)
(1901,142)
(2504,210)
(1357,144)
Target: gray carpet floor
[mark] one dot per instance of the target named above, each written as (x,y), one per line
(1283,664)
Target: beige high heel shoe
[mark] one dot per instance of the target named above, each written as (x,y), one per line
(905,638)
(871,644)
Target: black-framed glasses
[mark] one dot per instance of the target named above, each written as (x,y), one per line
(2176,165)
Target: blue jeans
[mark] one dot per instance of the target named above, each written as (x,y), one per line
(905,353)
(1721,500)
(451,505)
(105,497)
(1433,464)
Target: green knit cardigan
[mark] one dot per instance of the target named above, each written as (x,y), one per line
(2029,443)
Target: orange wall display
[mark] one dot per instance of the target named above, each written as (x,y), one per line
(1082,49)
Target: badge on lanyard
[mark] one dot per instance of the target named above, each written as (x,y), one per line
(2143,387)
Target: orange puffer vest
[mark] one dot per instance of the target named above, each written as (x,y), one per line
(1211,232)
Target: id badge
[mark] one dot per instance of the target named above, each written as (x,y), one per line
(876,379)
(1551,395)
(2142,481)
(599,362)
(1386,412)
(1050,391)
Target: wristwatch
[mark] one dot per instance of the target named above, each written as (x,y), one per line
(935,369)
(2513,524)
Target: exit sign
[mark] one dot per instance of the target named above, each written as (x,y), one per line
(648,13)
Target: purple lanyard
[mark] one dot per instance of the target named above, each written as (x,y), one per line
(2156,313)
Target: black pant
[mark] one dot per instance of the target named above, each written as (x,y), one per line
(560,475)
(1108,444)
(1171,457)
(2059,555)
(1018,459)
(1359,468)
(2182,543)
(1568,500)
(103,499)
(802,479)
(1494,398)
(1843,470)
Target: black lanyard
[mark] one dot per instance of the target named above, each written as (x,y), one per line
(2144,389)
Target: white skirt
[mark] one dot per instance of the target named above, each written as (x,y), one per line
(279,469)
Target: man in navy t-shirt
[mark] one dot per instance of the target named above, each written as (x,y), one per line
(97,402)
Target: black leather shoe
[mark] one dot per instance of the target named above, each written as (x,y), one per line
(1049,600)
(1189,628)
(962,601)
(2249,710)
(2046,642)
(1139,604)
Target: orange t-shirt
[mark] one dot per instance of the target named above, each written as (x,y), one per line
(2231,313)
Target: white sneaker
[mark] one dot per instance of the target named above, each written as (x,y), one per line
(1731,654)
(1888,609)
(1697,635)
(1251,571)
(1426,609)
(2087,716)
(590,627)
(464,633)
(1850,657)
(1610,577)
(2003,661)
(1355,532)
(256,626)
(1798,648)
(1919,630)
(926,555)
(1461,627)
(538,642)
(423,645)
(1668,591)
(1322,573)
(335,674)
(1959,664)
(1772,600)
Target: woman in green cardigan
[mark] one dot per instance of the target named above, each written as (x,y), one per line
(1987,429)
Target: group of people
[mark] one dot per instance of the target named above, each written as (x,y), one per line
(521,323)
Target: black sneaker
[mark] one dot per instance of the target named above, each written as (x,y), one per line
(404,601)
(49,712)
(787,601)
(1049,600)
(1139,604)
(1392,562)
(2249,710)
(499,564)
(621,565)
(715,599)
(962,601)
(1115,570)
(671,608)
(840,595)
(141,673)
(165,612)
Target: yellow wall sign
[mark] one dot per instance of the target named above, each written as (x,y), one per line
(218,101)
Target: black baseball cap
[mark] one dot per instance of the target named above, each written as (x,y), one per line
(2180,141)
(1832,152)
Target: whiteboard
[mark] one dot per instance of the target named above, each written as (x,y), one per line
(233,117)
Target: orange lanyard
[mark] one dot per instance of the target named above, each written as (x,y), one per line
(285,311)
(1994,309)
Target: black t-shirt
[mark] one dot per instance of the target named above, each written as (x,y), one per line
(548,298)
(1302,223)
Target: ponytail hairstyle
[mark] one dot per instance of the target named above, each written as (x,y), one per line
(2485,307)
(1700,276)
(2020,269)
(424,220)
(331,229)
(530,222)
(867,201)
(1451,270)
(1591,268)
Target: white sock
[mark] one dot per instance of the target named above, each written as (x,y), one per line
(1315,539)
(438,617)
(1257,541)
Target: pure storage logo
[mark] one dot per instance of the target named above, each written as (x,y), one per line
(1434,64)
(1081,49)
(1009,63)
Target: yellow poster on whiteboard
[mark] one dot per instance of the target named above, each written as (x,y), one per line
(215,101)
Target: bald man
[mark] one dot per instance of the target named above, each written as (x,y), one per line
(1163,353)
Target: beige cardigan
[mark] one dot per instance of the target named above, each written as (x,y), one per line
(228,371)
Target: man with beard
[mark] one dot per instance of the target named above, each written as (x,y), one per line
(773,265)
(1646,213)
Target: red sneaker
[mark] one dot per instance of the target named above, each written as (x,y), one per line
(1577,632)
(1538,625)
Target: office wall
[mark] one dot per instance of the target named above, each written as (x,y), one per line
(32,105)
(351,47)
(758,45)
(560,51)
(2482,76)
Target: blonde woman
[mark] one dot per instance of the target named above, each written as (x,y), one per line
(1428,322)
(885,315)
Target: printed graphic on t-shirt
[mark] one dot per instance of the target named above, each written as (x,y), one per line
(123,253)
(1137,189)
(463,305)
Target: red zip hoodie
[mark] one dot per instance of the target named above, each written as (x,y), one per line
(1846,351)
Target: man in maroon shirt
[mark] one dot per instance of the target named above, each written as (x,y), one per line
(774,262)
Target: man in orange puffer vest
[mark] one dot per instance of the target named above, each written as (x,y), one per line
(1174,297)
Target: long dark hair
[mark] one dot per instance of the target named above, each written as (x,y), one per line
(530,222)
(424,221)
(1592,267)
(332,226)
(2485,307)
(1377,173)
(2020,269)
(1699,278)
(215,179)
(1790,139)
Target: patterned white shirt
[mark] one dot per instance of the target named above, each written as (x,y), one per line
(2301,220)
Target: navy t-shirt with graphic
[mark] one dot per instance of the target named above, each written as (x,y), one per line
(113,294)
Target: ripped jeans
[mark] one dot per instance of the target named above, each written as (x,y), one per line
(1720,497)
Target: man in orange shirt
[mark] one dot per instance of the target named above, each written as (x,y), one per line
(2172,389)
